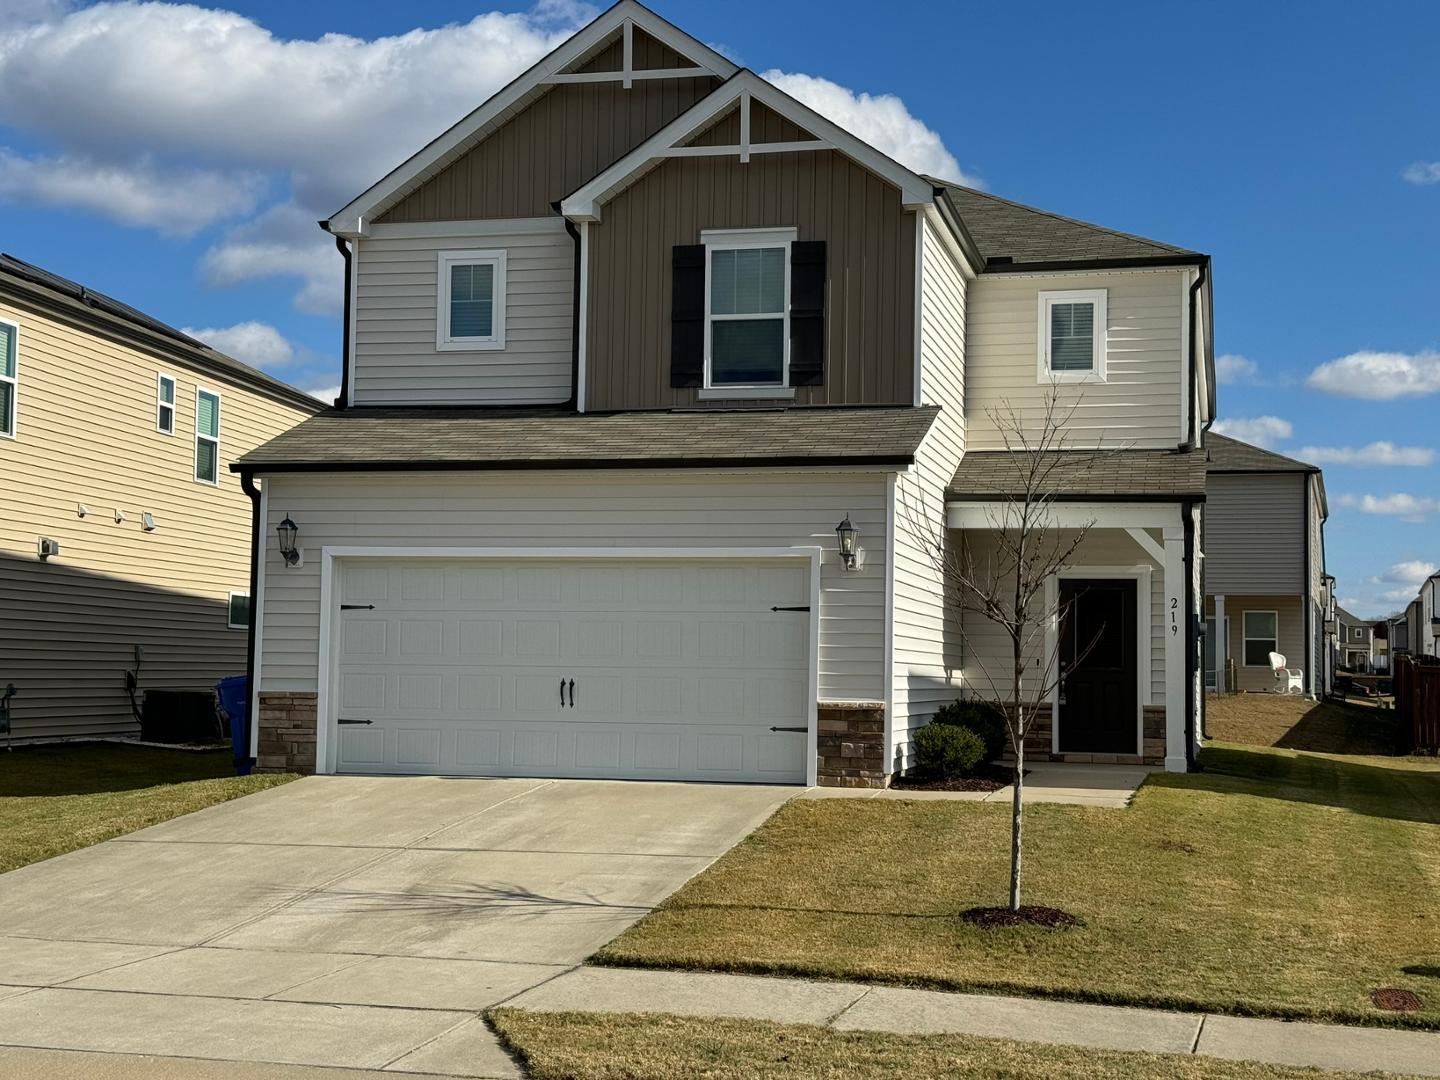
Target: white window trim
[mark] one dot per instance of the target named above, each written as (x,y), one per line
(14,381)
(161,403)
(732,240)
(229,602)
(219,421)
(1098,297)
(446,261)
(1245,637)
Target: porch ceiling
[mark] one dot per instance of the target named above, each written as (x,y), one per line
(1125,475)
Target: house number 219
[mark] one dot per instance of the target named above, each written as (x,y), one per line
(1174,615)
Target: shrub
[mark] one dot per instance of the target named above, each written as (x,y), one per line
(983,719)
(948,751)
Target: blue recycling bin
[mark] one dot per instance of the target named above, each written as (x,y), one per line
(234,694)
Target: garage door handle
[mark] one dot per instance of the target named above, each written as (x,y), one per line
(562,691)
(572,693)
(342,720)
(800,729)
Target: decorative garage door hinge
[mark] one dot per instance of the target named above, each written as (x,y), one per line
(800,729)
(357,607)
(342,720)
(802,607)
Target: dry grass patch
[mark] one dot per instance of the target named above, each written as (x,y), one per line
(55,799)
(589,1046)
(1296,723)
(1274,883)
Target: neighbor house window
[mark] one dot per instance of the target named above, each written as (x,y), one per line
(747,308)
(238,613)
(9,372)
(207,436)
(165,404)
(1261,629)
(471,311)
(1071,335)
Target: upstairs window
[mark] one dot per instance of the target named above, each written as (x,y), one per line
(471,301)
(747,308)
(9,372)
(165,404)
(207,437)
(1071,336)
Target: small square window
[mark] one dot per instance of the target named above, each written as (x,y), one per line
(1072,336)
(165,404)
(470,299)
(238,611)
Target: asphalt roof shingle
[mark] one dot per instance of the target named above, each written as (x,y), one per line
(1020,234)
(1119,474)
(1232,455)
(400,438)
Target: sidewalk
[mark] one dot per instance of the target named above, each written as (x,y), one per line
(853,1007)
(1108,786)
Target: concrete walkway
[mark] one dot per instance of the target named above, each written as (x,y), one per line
(350,922)
(1108,786)
(854,1007)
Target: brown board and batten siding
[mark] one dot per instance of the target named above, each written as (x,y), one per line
(1254,534)
(870,289)
(87,437)
(550,148)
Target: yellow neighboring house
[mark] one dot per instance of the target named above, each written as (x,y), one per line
(120,525)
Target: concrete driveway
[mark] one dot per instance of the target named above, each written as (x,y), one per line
(346,921)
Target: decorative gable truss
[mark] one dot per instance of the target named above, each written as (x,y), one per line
(747,97)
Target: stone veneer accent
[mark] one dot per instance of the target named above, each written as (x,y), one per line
(287,733)
(1037,742)
(850,743)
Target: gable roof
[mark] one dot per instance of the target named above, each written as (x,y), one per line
(352,218)
(1136,475)
(585,202)
(1011,235)
(1229,455)
(417,439)
(64,297)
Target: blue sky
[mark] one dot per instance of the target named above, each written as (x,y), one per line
(177,158)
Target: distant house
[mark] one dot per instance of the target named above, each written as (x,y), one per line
(122,528)
(1264,546)
(1416,630)
(1380,635)
(1355,640)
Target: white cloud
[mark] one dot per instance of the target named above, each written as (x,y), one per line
(1412,508)
(1411,573)
(1376,453)
(1422,172)
(257,344)
(1263,431)
(327,394)
(882,120)
(1232,368)
(284,241)
(1379,376)
(179,201)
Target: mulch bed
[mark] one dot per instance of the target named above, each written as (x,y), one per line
(989,778)
(990,918)
(1393,999)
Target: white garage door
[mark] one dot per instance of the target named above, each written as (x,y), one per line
(632,668)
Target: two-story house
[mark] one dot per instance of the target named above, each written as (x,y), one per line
(1355,638)
(125,544)
(655,381)
(1265,585)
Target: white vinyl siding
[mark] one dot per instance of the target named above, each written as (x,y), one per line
(585,510)
(9,376)
(1139,402)
(398,304)
(926,641)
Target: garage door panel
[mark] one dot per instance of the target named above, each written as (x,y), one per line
(679,669)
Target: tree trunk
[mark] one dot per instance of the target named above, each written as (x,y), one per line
(1015,821)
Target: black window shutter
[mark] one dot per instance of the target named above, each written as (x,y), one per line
(807,313)
(687,315)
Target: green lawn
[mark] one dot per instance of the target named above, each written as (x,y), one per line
(589,1046)
(54,799)
(1275,882)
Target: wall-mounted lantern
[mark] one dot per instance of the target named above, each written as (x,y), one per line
(288,531)
(845,534)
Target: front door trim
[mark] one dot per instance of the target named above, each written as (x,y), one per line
(1144,628)
(325,748)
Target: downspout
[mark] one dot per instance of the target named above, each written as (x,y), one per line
(247,484)
(1307,622)
(574,403)
(345,345)
(1188,508)
(1192,330)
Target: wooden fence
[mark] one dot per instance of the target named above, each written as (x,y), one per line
(1417,702)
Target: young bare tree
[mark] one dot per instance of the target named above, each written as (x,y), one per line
(1006,585)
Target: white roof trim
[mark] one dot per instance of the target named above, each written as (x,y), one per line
(353,219)
(584,203)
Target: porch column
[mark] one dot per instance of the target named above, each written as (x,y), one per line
(1222,645)
(1177,635)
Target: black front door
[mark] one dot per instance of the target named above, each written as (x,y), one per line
(1099,687)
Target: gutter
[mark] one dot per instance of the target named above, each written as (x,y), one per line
(250,468)
(1307,622)
(247,484)
(1004,265)
(952,218)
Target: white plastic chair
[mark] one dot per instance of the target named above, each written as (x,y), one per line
(1288,680)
